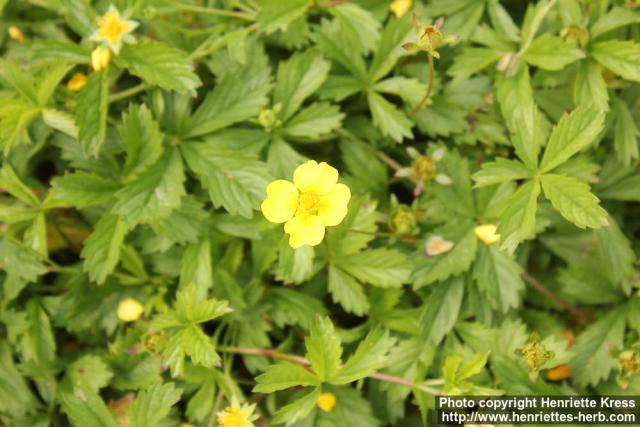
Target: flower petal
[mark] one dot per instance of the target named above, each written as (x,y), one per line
(315,177)
(305,230)
(333,206)
(281,202)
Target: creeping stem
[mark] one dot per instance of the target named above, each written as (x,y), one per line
(424,99)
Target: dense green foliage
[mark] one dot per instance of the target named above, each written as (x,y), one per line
(143,185)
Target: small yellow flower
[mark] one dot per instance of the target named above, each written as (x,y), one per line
(77,82)
(313,201)
(559,373)
(236,415)
(400,7)
(100,58)
(186,425)
(16,34)
(436,245)
(130,310)
(326,401)
(487,233)
(113,29)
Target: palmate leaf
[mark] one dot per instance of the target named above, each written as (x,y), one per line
(159,64)
(574,199)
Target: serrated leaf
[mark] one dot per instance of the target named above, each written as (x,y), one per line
(552,53)
(323,348)
(369,357)
(82,189)
(517,222)
(101,252)
(235,180)
(441,310)
(159,64)
(86,409)
(615,18)
(574,200)
(22,262)
(499,171)
(590,87)
(314,121)
(379,267)
(388,118)
(141,139)
(336,43)
(389,51)
(11,76)
(498,277)
(89,371)
(14,185)
(155,193)
(360,23)
(294,265)
(621,57)
(298,409)
(278,15)
(471,61)
(573,132)
(625,137)
(17,399)
(153,404)
(282,376)
(91,112)
(293,307)
(346,291)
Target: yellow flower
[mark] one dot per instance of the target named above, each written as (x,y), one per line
(129,310)
(436,245)
(16,34)
(313,201)
(100,58)
(487,233)
(400,7)
(326,401)
(236,415)
(77,82)
(113,29)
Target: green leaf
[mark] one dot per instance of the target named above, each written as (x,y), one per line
(574,200)
(313,122)
(625,137)
(298,78)
(236,97)
(159,64)
(141,139)
(291,307)
(294,265)
(573,132)
(432,269)
(379,267)
(590,87)
(155,193)
(346,291)
(282,376)
(199,347)
(530,133)
(441,310)
(196,267)
(369,357)
(389,51)
(615,18)
(91,113)
(298,409)
(621,57)
(50,81)
(82,189)
(24,263)
(359,23)
(60,121)
(386,116)
(153,404)
(518,221)
(86,409)
(552,53)
(11,76)
(89,371)
(15,121)
(235,180)
(336,43)
(499,171)
(278,15)
(323,348)
(16,397)
(12,183)
(471,61)
(101,252)
(498,277)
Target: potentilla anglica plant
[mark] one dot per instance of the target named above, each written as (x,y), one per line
(314,212)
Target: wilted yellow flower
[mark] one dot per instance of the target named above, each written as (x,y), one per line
(313,201)
(236,415)
(326,401)
(77,82)
(400,7)
(16,34)
(436,245)
(100,58)
(129,310)
(487,233)
(113,29)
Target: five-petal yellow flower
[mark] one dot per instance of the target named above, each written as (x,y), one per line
(237,415)
(313,201)
(113,29)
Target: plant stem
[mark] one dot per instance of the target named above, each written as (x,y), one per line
(275,354)
(429,86)
(128,92)
(210,10)
(536,284)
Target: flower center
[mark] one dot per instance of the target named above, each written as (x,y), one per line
(308,203)
(424,168)
(111,27)
(232,417)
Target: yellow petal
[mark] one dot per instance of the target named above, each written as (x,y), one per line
(333,206)
(487,233)
(281,201)
(313,177)
(326,401)
(129,310)
(305,230)
(77,82)
(400,7)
